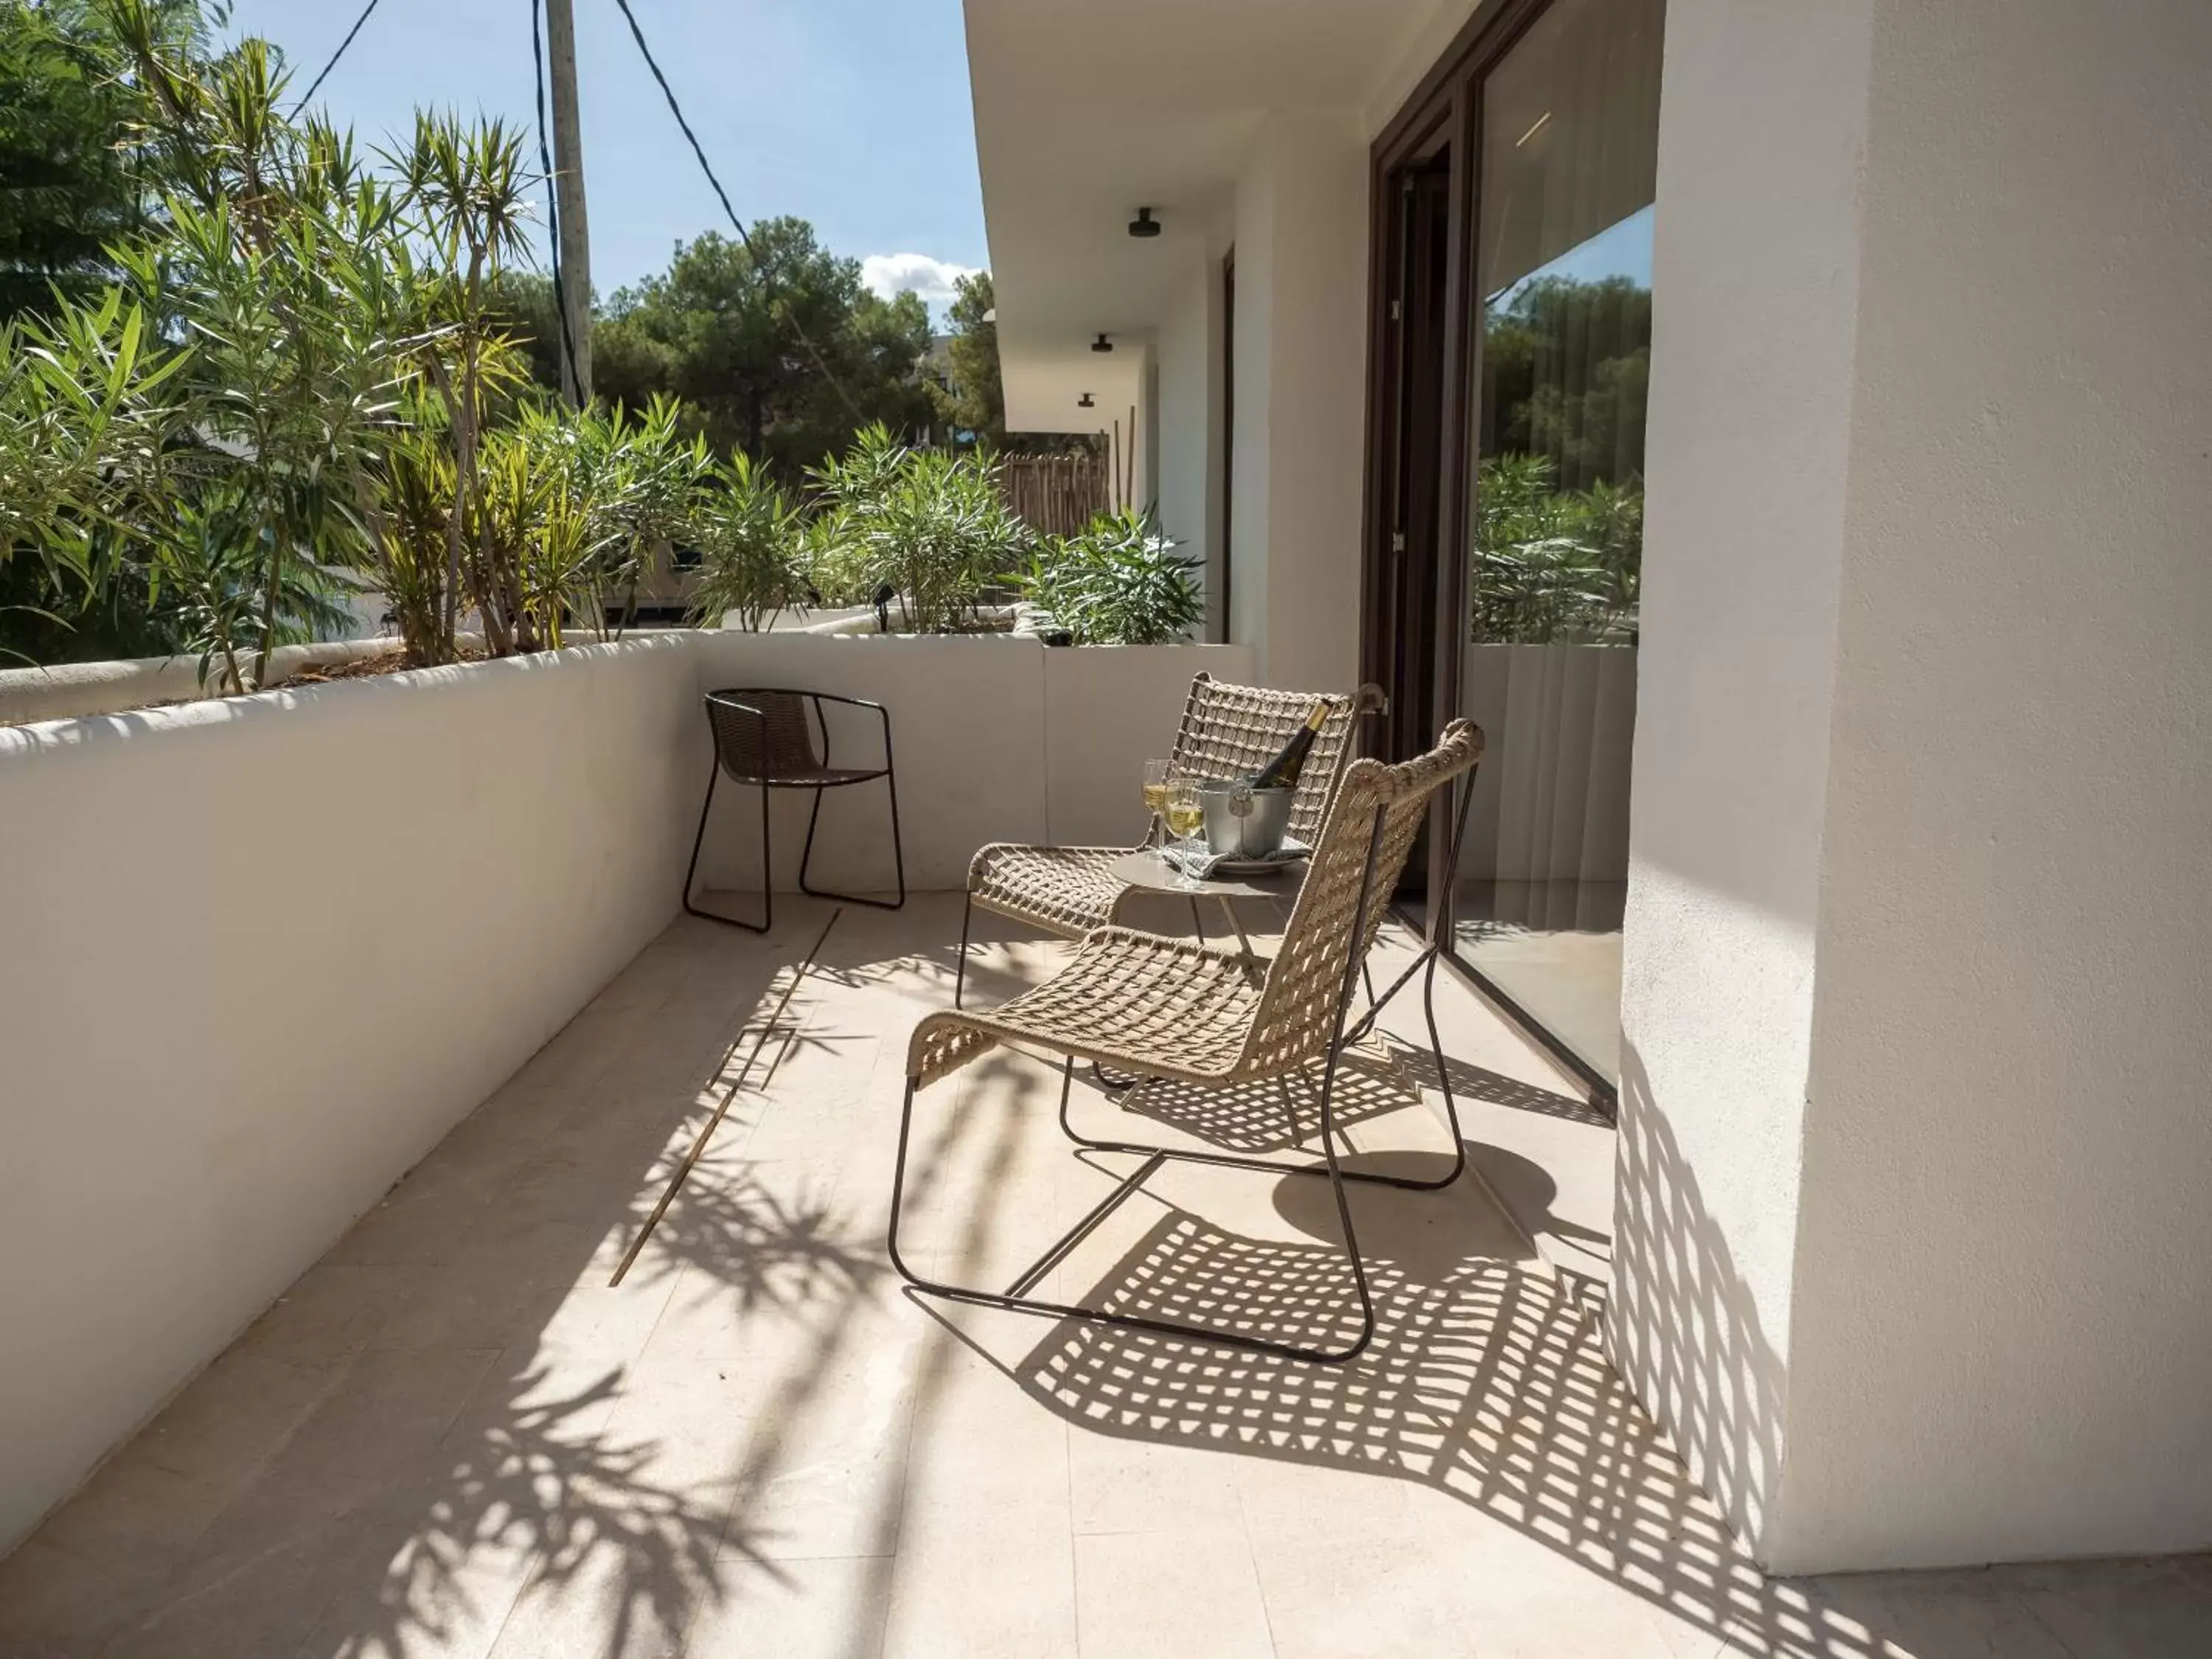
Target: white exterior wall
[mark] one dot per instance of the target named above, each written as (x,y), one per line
(2005,1347)
(1914,1142)
(1761,127)
(1301,236)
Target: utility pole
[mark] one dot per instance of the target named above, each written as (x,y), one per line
(575,250)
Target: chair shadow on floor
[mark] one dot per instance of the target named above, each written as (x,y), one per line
(1254,1118)
(1485,1381)
(1472,1083)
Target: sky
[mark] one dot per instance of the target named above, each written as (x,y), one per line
(1622,249)
(854,114)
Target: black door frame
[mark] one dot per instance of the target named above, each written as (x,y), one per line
(1448,101)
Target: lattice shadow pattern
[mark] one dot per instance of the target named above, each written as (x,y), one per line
(1281,1114)
(1485,1381)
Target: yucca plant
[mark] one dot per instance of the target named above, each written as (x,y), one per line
(405,505)
(465,194)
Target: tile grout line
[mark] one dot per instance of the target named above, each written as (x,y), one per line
(729,1097)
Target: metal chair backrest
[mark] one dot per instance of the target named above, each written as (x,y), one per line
(1231,731)
(761,733)
(1377,812)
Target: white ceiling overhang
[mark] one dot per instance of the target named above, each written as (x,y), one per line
(1086,109)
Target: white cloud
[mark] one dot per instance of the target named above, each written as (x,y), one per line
(887,274)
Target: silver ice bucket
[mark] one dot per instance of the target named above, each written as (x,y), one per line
(1244,823)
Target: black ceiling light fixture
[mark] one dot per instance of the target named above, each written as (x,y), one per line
(1086,401)
(1144,224)
(1102,344)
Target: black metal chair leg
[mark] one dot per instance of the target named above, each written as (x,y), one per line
(898,859)
(691,872)
(1010,1302)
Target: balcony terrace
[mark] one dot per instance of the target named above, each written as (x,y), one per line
(455,1436)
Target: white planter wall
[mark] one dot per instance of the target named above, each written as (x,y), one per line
(998,737)
(260,956)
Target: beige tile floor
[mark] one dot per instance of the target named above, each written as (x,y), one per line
(455,1437)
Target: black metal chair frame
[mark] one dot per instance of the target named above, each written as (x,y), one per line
(1014,1298)
(735,699)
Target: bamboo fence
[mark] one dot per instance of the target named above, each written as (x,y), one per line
(1056,494)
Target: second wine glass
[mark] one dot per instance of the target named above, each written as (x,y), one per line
(1186,816)
(1156,800)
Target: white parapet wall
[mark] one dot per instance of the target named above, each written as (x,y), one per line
(997,738)
(258,956)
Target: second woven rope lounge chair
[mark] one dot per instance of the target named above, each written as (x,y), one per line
(1166,1008)
(1227,731)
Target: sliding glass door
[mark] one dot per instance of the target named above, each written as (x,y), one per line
(1540,503)
(1562,256)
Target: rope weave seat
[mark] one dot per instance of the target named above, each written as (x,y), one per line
(1168,1008)
(1227,731)
(765,736)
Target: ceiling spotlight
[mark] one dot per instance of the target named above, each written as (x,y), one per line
(1144,224)
(1086,401)
(1102,344)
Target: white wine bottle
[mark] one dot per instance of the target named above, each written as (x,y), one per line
(1282,772)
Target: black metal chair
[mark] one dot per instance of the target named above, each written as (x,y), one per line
(762,738)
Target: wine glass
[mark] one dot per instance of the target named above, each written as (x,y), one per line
(1155,800)
(1186,814)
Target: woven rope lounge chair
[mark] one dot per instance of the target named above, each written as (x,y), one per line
(1196,1013)
(1227,731)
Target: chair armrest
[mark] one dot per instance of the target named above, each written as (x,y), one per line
(882,716)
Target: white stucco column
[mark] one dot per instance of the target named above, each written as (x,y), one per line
(1301,233)
(1190,430)
(1762,121)
(1915,1143)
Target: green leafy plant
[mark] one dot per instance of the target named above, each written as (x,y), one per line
(748,534)
(82,402)
(646,479)
(931,526)
(1554,566)
(1119,582)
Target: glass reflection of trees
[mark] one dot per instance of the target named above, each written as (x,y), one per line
(1559,511)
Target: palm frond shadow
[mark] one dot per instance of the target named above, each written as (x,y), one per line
(630,1529)
(760,1247)
(546,1476)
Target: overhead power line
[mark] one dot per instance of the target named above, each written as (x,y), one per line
(768,278)
(315,85)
